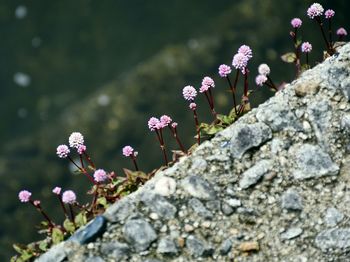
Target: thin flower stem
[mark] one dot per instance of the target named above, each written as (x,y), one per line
(81,169)
(195,116)
(175,135)
(62,205)
(271,83)
(246,82)
(307,59)
(93,203)
(233,91)
(162,147)
(133,158)
(297,52)
(72,215)
(330,32)
(329,48)
(39,208)
(88,158)
(81,161)
(210,103)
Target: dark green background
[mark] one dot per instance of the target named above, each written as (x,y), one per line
(140,54)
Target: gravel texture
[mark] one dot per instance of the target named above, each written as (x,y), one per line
(275,186)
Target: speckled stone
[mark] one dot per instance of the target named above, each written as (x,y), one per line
(139,233)
(198,187)
(245,137)
(313,162)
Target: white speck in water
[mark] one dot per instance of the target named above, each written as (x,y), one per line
(22,112)
(21,12)
(36,41)
(21,79)
(103,100)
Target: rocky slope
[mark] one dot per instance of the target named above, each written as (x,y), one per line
(272,187)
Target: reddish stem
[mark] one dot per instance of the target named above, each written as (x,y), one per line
(88,158)
(62,205)
(195,116)
(133,158)
(39,208)
(162,147)
(233,91)
(175,135)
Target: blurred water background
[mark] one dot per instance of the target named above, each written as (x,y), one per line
(104,67)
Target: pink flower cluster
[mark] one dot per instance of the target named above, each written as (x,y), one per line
(341,32)
(62,151)
(240,60)
(157,124)
(264,71)
(57,190)
(207,83)
(24,196)
(100,175)
(315,10)
(260,80)
(224,70)
(189,93)
(69,197)
(306,47)
(128,151)
(329,13)
(296,22)
(76,140)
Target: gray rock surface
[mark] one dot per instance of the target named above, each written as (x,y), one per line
(263,189)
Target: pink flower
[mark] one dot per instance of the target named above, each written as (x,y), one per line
(36,203)
(306,47)
(76,139)
(57,190)
(81,149)
(69,197)
(296,22)
(128,151)
(260,80)
(341,32)
(153,123)
(160,125)
(246,50)
(224,70)
(264,69)
(165,120)
(24,196)
(193,106)
(174,125)
(240,61)
(189,93)
(100,175)
(203,89)
(208,81)
(62,151)
(329,13)
(315,10)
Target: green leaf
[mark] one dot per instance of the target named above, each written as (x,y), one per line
(43,245)
(225,120)
(81,219)
(289,57)
(102,201)
(298,43)
(18,248)
(57,235)
(69,226)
